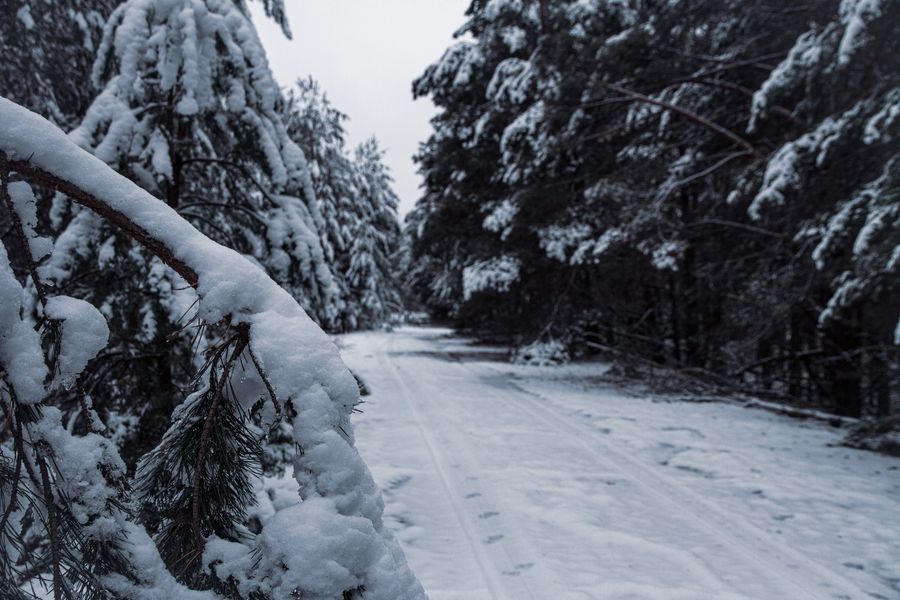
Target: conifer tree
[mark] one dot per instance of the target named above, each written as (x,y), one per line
(189,110)
(138,312)
(63,510)
(373,254)
(844,154)
(737,184)
(317,127)
(48,49)
(359,207)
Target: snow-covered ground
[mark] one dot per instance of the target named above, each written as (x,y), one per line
(510,482)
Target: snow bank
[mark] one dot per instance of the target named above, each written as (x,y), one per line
(541,354)
(878,435)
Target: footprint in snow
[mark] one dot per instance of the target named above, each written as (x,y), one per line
(517,570)
(397,482)
(472,495)
(783,517)
(693,432)
(488,514)
(695,471)
(494,539)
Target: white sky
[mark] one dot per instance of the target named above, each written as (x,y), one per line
(365,54)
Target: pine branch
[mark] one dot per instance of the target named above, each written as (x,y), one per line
(709,170)
(737,225)
(17,476)
(242,339)
(82,404)
(224,205)
(232,166)
(20,230)
(265,378)
(101,207)
(52,529)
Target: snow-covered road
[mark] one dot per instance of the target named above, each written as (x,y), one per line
(509,483)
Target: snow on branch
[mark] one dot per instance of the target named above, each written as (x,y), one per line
(496,274)
(302,365)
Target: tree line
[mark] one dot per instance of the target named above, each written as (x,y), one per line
(711,186)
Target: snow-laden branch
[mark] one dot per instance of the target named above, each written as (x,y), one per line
(338,528)
(38,171)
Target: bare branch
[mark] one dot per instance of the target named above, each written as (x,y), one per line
(690,115)
(265,378)
(737,225)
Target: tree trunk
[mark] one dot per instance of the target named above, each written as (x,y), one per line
(880,382)
(795,368)
(843,370)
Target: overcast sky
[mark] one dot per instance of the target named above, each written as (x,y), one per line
(365,54)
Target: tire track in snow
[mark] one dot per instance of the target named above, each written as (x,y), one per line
(454,495)
(717,524)
(521,557)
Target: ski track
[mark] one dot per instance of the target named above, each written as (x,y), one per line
(642,520)
(510,553)
(450,488)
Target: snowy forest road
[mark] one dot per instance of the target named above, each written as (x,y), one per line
(504,483)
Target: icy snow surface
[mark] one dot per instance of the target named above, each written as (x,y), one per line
(510,482)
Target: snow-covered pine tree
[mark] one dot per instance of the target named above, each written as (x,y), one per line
(373,254)
(434,283)
(358,205)
(844,154)
(594,147)
(270,358)
(64,522)
(48,49)
(317,127)
(189,110)
(275,10)
(460,230)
